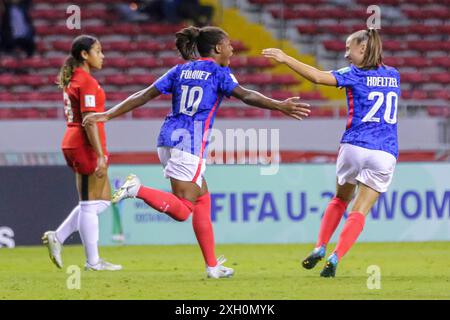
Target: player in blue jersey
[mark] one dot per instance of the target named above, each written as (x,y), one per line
(197,89)
(368,150)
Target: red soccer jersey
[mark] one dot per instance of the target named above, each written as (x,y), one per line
(83,94)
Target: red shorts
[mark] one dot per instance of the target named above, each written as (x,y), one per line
(82,160)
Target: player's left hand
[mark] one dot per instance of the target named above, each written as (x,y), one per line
(92,118)
(292,107)
(275,53)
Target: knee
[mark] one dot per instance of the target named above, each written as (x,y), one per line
(344,197)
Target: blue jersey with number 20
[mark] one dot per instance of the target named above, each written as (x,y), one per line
(197,88)
(372,97)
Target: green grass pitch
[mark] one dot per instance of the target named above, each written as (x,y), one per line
(408,271)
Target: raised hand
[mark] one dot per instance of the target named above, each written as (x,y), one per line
(276,54)
(292,107)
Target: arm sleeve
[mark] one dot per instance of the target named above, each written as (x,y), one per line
(344,77)
(165,83)
(88,96)
(227,82)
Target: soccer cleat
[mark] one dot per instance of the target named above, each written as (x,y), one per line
(315,256)
(219,271)
(129,189)
(330,267)
(54,247)
(102,265)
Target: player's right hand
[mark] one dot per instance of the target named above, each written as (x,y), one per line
(92,118)
(276,54)
(292,107)
(102,167)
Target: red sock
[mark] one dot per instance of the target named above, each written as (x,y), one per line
(166,202)
(201,221)
(352,228)
(333,214)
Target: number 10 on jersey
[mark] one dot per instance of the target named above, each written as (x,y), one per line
(190,99)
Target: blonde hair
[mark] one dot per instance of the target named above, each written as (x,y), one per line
(373,56)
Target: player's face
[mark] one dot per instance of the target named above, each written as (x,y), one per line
(226,51)
(95,56)
(354,52)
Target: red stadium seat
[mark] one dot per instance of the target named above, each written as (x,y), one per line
(35,63)
(393,45)
(227,112)
(150,46)
(414,78)
(440,94)
(310,29)
(394,61)
(423,45)
(169,62)
(441,61)
(9,63)
(417,62)
(334,45)
(143,79)
(8,80)
(284,79)
(256,79)
(443,77)
(160,29)
(415,95)
(118,80)
(123,46)
(311,95)
(119,62)
(7,96)
(145,62)
(55,62)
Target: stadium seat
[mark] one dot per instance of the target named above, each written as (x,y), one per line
(441,61)
(443,77)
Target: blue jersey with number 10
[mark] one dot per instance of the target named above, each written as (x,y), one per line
(372,97)
(197,88)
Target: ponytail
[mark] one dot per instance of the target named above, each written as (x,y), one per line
(75,59)
(191,40)
(66,72)
(373,56)
(186,42)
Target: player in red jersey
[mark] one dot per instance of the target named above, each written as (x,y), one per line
(84,149)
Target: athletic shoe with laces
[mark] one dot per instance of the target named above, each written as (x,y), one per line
(219,271)
(315,256)
(129,189)
(102,265)
(54,247)
(330,267)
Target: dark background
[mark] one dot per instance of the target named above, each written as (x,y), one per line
(36,199)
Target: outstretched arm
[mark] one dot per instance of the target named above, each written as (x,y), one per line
(135,100)
(291,107)
(94,140)
(312,74)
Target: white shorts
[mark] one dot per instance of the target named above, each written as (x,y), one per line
(374,168)
(182,165)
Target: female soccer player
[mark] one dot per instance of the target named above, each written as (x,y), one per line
(84,149)
(197,88)
(368,151)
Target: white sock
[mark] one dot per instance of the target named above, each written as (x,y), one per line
(69,226)
(88,227)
